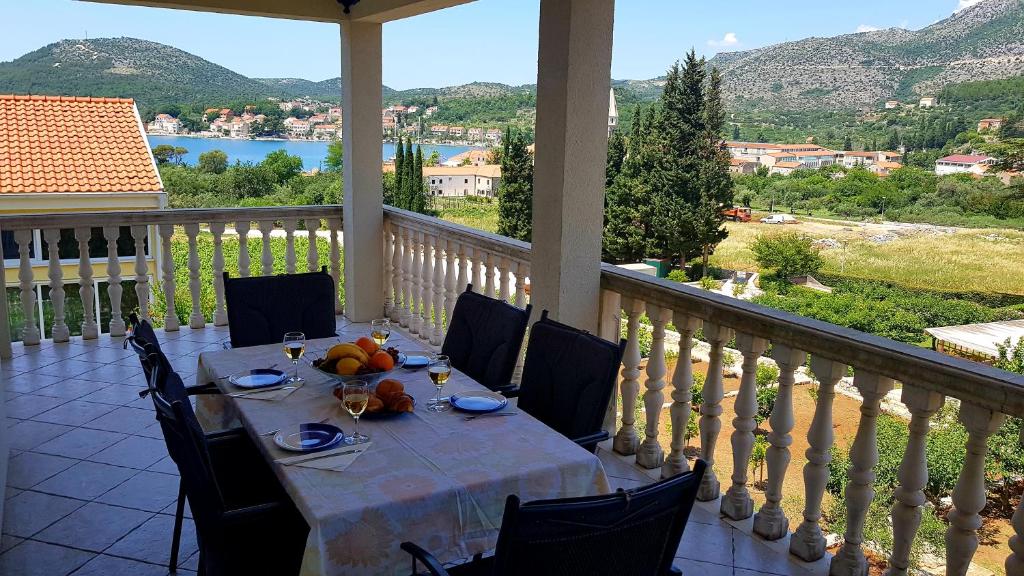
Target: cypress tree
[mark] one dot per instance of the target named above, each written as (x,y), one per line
(515,191)
(419,193)
(716,185)
(409,177)
(847,143)
(894,140)
(736,132)
(616,156)
(400,201)
(628,213)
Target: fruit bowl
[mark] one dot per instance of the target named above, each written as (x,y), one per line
(350,361)
(387,400)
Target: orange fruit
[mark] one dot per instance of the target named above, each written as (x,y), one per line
(382,361)
(347,366)
(368,345)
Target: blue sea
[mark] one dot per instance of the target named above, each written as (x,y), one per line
(312,153)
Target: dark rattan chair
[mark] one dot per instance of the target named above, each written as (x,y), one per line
(262,309)
(635,532)
(245,522)
(568,380)
(485,336)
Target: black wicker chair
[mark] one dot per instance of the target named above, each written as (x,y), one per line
(568,380)
(239,508)
(485,336)
(635,532)
(262,309)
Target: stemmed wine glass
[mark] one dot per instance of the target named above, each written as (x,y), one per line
(380,331)
(294,348)
(439,371)
(355,396)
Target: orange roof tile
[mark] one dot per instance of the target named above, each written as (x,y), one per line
(73,144)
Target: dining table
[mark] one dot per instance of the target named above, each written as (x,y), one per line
(434,478)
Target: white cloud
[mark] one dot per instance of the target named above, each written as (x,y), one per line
(728,41)
(867,28)
(965,4)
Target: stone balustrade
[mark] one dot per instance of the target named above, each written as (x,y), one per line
(150,235)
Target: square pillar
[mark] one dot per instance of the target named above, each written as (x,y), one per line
(573,79)
(362,139)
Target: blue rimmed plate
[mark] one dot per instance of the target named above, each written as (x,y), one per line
(308,437)
(258,378)
(478,402)
(415,362)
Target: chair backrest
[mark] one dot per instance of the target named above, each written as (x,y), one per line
(568,377)
(484,338)
(144,342)
(634,532)
(262,309)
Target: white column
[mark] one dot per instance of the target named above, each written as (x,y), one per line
(363,205)
(418,247)
(650,454)
(242,227)
(267,254)
(439,291)
(573,78)
(86,285)
(30,332)
(451,273)
(737,503)
(479,262)
(389,270)
(408,283)
(465,269)
(503,279)
(426,287)
(626,440)
(711,409)
(220,314)
(969,493)
(334,225)
(770,521)
(60,331)
(166,231)
(289,245)
(312,251)
(807,541)
(398,278)
(850,560)
(114,290)
(1015,561)
(196,318)
(682,394)
(489,275)
(913,476)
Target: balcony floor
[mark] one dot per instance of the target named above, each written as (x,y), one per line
(90,489)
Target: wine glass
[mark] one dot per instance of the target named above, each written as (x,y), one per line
(380,331)
(439,371)
(294,348)
(355,395)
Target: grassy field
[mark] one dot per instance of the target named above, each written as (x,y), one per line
(480,215)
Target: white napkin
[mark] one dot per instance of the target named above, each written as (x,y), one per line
(335,460)
(274,394)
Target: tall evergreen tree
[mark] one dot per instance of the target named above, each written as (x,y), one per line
(894,140)
(761,137)
(716,185)
(515,192)
(629,209)
(616,156)
(736,132)
(400,200)
(409,177)
(419,203)
(848,143)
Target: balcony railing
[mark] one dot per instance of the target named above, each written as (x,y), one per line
(428,262)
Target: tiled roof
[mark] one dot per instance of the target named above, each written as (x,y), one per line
(486,171)
(964,159)
(73,144)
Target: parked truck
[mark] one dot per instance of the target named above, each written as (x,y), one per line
(737,214)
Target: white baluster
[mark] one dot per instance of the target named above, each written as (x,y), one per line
(171,315)
(426,287)
(417,282)
(450,282)
(1015,561)
(650,454)
(289,245)
(312,251)
(682,395)
(397,280)
(503,279)
(114,290)
(969,493)
(60,331)
(30,332)
(626,440)
(86,285)
(770,521)
(139,234)
(465,269)
(737,503)
(267,254)
(850,561)
(335,226)
(220,314)
(913,476)
(479,263)
(242,227)
(711,409)
(808,542)
(439,290)
(489,276)
(196,319)
(408,278)
(389,271)
(522,271)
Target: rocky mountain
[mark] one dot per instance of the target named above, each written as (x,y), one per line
(150,72)
(330,88)
(983,42)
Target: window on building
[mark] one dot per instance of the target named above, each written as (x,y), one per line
(67,246)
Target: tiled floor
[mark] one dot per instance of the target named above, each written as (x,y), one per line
(91,491)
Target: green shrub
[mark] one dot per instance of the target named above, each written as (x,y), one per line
(787,254)
(678,276)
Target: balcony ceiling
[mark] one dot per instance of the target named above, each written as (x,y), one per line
(315,10)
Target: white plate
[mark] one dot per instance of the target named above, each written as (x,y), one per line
(257,378)
(478,402)
(311,437)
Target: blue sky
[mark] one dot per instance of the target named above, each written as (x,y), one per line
(488,40)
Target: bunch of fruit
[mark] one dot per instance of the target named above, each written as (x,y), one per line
(363,356)
(389,396)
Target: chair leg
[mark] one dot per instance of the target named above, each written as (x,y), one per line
(179,517)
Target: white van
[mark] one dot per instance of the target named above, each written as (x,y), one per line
(779,219)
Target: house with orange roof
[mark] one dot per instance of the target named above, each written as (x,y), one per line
(74,154)
(463,180)
(469,158)
(990,124)
(165,124)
